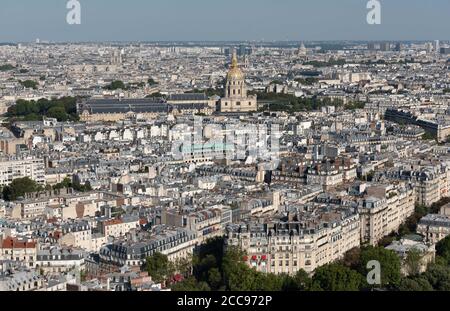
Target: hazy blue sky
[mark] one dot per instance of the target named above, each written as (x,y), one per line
(152,20)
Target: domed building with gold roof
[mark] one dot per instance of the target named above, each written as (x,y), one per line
(236,98)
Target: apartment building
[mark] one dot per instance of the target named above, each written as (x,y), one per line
(287,247)
(207,223)
(23,250)
(14,169)
(383,210)
(118,227)
(176,243)
(76,234)
(64,203)
(21,281)
(431,183)
(325,175)
(59,260)
(434,227)
(33,208)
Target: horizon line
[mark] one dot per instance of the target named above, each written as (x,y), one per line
(44,41)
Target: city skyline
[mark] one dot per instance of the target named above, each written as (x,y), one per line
(200,20)
(255,147)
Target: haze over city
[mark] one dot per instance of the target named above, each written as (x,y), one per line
(252,146)
(166,20)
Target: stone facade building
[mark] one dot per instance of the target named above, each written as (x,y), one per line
(236,98)
(287,247)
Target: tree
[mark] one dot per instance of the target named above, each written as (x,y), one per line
(81,188)
(116,85)
(30,84)
(443,249)
(156,95)
(439,277)
(307,81)
(336,277)
(268,282)
(19,187)
(151,82)
(6,67)
(291,104)
(421,210)
(352,259)
(302,281)
(214,278)
(58,113)
(428,136)
(237,275)
(190,285)
(184,266)
(389,261)
(66,183)
(159,267)
(413,262)
(354,105)
(204,265)
(415,284)
(35,110)
(240,277)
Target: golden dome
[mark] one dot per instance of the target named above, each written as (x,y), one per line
(235,72)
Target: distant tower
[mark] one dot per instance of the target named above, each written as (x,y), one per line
(242,50)
(246,61)
(437,46)
(385,46)
(116,57)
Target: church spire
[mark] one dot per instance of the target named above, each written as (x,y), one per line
(234,60)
